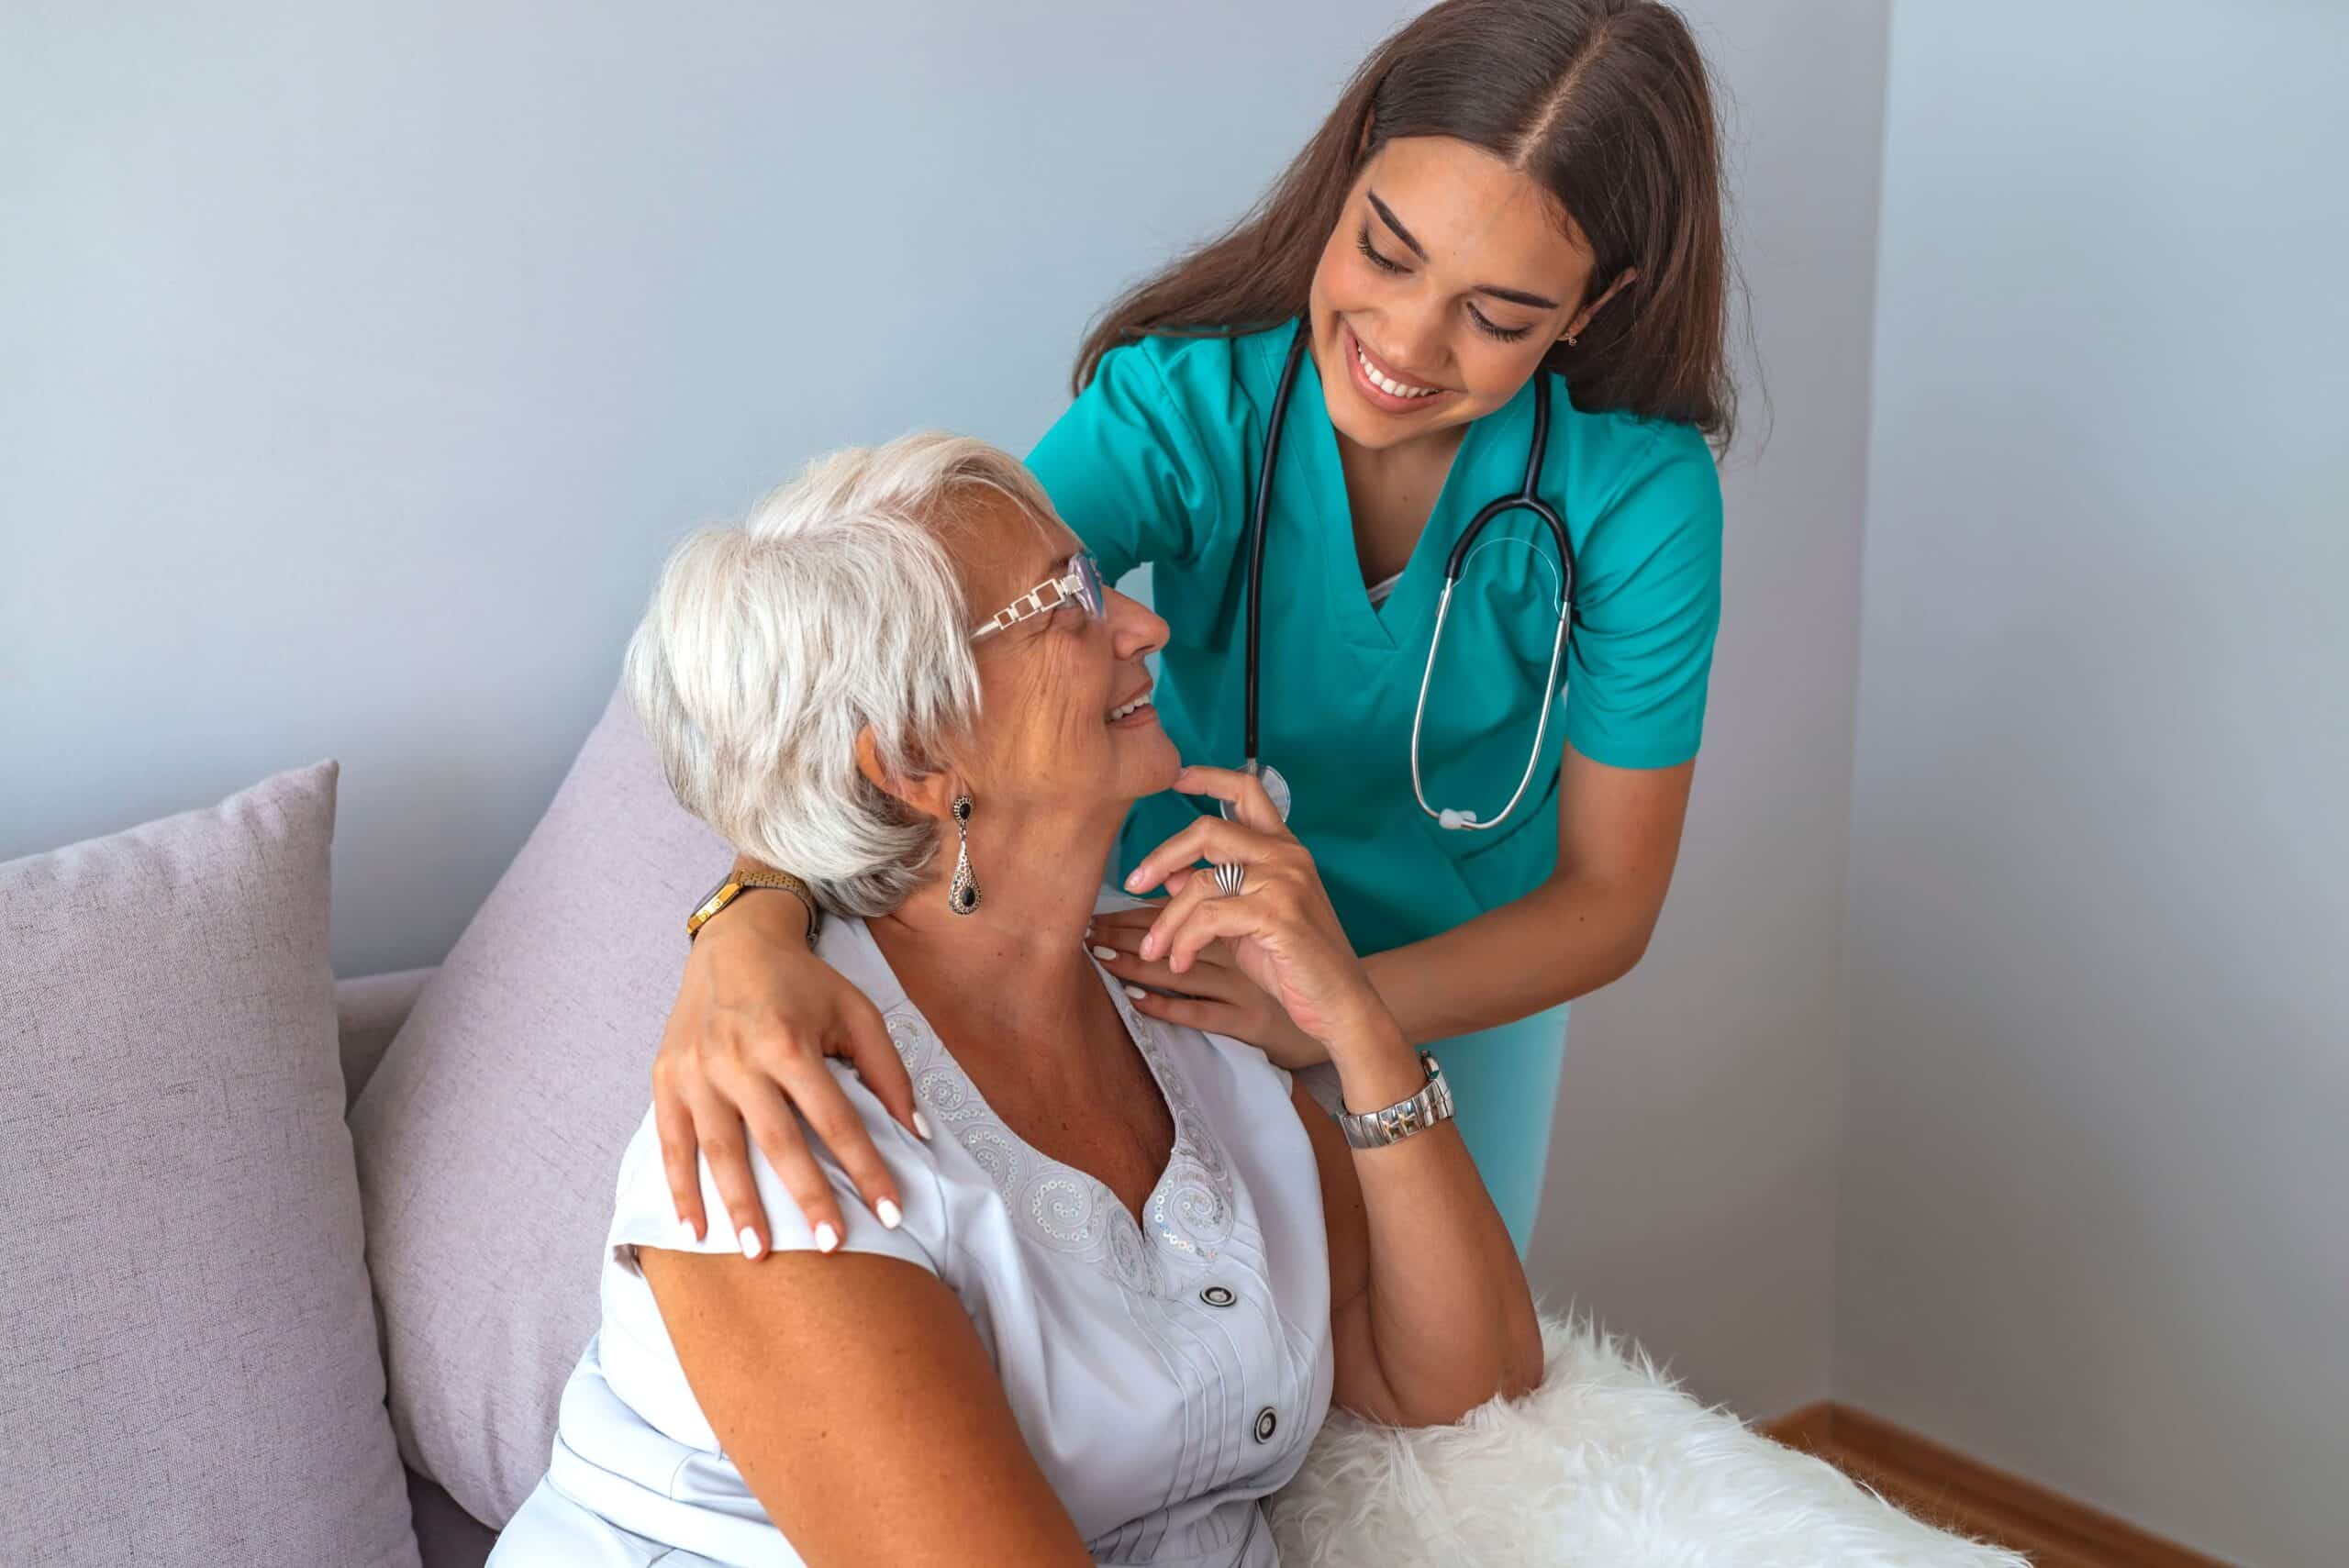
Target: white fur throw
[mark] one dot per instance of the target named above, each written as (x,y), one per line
(1605,1465)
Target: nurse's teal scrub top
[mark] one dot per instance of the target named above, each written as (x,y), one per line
(1153,463)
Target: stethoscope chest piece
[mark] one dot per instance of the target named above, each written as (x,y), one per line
(1275,785)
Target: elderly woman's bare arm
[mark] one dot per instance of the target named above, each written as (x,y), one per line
(854,1397)
(1418,1336)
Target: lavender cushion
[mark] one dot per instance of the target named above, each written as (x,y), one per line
(188,1366)
(490,1136)
(371,1010)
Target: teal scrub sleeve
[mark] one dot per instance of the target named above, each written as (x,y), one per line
(1648,603)
(1125,465)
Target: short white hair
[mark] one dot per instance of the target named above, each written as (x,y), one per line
(834,606)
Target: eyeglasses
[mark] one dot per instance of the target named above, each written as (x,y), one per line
(1080,579)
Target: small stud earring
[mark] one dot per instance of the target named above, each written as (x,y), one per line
(962,893)
(1570,339)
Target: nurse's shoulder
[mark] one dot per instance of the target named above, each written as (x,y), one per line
(1222,380)
(1630,479)
(1147,464)
(1609,456)
(1644,509)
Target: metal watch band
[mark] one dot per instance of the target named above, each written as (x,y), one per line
(1375,1130)
(733,886)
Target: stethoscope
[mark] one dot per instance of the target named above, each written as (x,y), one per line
(1526,499)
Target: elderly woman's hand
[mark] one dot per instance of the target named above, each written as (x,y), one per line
(1213,996)
(756,1015)
(1281,930)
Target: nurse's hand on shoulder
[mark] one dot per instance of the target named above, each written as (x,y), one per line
(756,1015)
(1281,931)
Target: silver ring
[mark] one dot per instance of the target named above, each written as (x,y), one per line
(1230,878)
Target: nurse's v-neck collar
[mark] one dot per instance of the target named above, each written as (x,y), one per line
(1194,1155)
(1311,467)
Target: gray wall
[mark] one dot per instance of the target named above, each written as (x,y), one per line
(2091,1225)
(358,362)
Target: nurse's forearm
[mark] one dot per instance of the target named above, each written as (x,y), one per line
(789,925)
(1565,939)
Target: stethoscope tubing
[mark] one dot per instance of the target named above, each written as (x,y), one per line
(1528,498)
(1257,509)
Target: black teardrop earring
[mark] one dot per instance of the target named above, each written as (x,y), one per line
(963,894)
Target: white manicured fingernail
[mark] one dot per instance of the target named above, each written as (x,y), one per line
(921,1126)
(1136,992)
(685,1233)
(752,1245)
(1105,952)
(888,1209)
(826,1236)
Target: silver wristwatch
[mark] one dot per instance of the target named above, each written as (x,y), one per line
(1374,1129)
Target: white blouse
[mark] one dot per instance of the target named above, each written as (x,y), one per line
(1165,1376)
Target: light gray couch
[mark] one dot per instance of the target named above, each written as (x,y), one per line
(369,1011)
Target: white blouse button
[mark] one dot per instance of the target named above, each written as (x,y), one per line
(1267,1420)
(1217,1295)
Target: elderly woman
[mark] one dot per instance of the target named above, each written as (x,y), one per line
(1133,1264)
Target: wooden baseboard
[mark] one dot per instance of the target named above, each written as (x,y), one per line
(1946,1488)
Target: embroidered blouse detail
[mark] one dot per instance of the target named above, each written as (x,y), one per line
(1069,1210)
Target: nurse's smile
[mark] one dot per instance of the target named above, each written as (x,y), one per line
(1381,384)
(1449,275)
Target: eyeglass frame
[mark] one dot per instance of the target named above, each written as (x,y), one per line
(1082,582)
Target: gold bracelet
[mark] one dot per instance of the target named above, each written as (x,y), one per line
(735,884)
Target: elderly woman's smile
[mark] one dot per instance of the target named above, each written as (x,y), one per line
(1065,726)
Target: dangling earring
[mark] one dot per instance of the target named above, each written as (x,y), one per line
(1570,339)
(963,894)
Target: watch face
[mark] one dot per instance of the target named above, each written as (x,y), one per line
(710,904)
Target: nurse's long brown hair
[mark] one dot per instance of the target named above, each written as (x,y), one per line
(1606,102)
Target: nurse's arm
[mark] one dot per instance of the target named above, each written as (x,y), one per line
(1586,924)
(852,1393)
(744,1047)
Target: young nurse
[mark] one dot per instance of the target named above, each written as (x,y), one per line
(1509,193)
